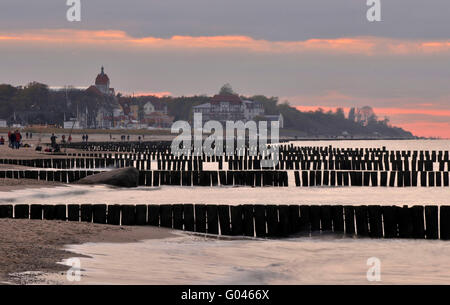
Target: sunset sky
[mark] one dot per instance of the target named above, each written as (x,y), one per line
(312,53)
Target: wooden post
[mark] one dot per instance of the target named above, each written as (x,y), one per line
(383,181)
(200,218)
(405,222)
(418,222)
(249,228)
(224,219)
(337,218)
(128,215)
(113,217)
(236,220)
(325,218)
(212,219)
(423,179)
(21,211)
(36,211)
(153,215)
(148,177)
(305,222)
(305,178)
(375,221)
(297,178)
(361,220)
(166,216)
(315,218)
(260,220)
(431,222)
(61,212)
(294,219)
(349,214)
(445,223)
(284,225)
(99,213)
(6,211)
(178,216)
(49,212)
(392,179)
(141,214)
(272,220)
(390,221)
(86,212)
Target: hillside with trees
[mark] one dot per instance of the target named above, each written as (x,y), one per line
(37,104)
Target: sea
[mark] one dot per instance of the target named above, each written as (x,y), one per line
(203,259)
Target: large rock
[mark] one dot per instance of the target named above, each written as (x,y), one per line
(124,177)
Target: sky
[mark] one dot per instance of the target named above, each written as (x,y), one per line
(312,53)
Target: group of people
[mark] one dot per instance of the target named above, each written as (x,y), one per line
(124,137)
(14,138)
(85,138)
(127,137)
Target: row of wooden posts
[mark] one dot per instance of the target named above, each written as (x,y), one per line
(162,147)
(252,178)
(429,222)
(190,164)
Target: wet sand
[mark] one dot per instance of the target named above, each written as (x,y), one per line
(36,245)
(7,185)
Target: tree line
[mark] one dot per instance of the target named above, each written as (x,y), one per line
(36,103)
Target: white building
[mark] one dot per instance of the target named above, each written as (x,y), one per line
(155,106)
(253,109)
(229,107)
(3,123)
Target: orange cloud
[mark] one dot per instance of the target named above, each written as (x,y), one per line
(420,128)
(428,129)
(359,45)
(153,93)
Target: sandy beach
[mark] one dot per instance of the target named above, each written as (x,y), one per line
(36,245)
(7,185)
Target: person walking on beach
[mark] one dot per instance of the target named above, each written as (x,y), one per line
(18,138)
(2,141)
(26,135)
(9,139)
(70,138)
(12,140)
(87,137)
(53,140)
(83,137)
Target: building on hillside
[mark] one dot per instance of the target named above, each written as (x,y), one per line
(158,120)
(274,118)
(104,117)
(102,83)
(134,112)
(253,109)
(155,106)
(3,123)
(229,107)
(156,115)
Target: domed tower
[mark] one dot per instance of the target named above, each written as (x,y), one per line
(102,82)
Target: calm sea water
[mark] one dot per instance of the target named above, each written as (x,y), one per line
(194,259)
(314,260)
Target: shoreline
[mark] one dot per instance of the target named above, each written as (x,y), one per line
(38,245)
(9,185)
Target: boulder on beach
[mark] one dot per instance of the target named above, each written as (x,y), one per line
(124,177)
